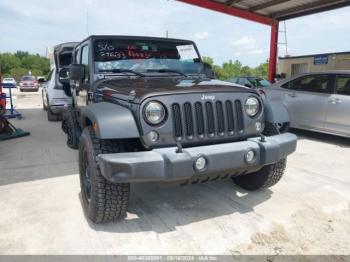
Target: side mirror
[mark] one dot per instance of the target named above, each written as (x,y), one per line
(67,91)
(248,85)
(208,71)
(77,72)
(63,76)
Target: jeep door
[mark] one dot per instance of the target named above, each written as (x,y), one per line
(338,107)
(81,89)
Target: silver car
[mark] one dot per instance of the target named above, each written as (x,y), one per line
(316,101)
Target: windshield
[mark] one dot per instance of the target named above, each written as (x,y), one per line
(259,82)
(28,78)
(145,56)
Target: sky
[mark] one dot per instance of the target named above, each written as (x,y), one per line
(36,24)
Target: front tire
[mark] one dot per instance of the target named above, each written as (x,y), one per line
(71,127)
(52,117)
(269,175)
(102,200)
(44,106)
(266,177)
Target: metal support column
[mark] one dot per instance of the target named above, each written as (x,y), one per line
(273,51)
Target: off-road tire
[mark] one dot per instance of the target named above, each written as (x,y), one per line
(266,177)
(269,175)
(44,106)
(272,129)
(70,126)
(53,117)
(106,201)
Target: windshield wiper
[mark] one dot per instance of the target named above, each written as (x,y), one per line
(167,71)
(121,71)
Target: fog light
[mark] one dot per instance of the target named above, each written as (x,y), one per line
(250,156)
(258,126)
(153,136)
(200,164)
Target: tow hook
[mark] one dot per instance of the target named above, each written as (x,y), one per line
(179,148)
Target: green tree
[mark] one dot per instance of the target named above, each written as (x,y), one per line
(18,72)
(20,63)
(8,61)
(233,69)
(262,70)
(246,71)
(208,60)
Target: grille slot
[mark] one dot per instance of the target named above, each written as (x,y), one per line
(207,119)
(210,118)
(177,120)
(188,119)
(220,118)
(230,117)
(239,115)
(199,118)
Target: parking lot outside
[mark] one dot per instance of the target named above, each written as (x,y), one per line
(308,212)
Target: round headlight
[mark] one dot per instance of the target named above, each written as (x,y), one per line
(154,113)
(252,106)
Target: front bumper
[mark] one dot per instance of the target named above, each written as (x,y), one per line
(165,164)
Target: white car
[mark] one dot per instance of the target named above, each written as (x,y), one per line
(318,101)
(9,82)
(53,94)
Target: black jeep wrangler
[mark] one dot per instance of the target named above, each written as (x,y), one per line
(148,109)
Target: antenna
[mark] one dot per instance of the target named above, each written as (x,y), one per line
(285,43)
(87,23)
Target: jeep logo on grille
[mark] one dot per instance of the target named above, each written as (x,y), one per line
(208,97)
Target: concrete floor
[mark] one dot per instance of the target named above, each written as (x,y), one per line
(308,212)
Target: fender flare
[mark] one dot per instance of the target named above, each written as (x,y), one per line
(276,112)
(110,121)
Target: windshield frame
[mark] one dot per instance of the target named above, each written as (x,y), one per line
(138,38)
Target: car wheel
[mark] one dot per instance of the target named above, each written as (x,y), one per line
(264,178)
(52,117)
(267,176)
(275,129)
(44,106)
(102,200)
(70,126)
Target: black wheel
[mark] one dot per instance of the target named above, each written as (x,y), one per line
(275,129)
(64,125)
(102,201)
(70,126)
(53,117)
(267,176)
(44,106)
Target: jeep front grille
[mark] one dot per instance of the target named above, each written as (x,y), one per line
(207,119)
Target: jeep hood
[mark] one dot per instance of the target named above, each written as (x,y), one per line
(136,90)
